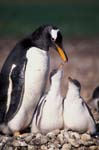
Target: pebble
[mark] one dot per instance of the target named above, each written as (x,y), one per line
(43,147)
(31,147)
(16,143)
(75,135)
(60,137)
(94,147)
(66,147)
(29,138)
(74,143)
(51,135)
(85,137)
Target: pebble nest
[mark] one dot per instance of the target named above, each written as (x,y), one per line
(56,140)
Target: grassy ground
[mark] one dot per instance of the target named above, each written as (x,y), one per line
(74,19)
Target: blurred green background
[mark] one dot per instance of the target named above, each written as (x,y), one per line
(78,18)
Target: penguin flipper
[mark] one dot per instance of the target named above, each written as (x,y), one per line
(17,78)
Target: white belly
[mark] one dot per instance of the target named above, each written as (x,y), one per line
(51,117)
(35,80)
(75,116)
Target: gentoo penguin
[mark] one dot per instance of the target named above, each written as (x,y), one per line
(94,101)
(49,112)
(23,77)
(77,115)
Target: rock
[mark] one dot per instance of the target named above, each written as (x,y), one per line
(52,146)
(60,137)
(32,147)
(39,140)
(66,136)
(83,148)
(1,146)
(16,143)
(44,140)
(22,143)
(75,135)
(57,144)
(38,136)
(66,147)
(85,137)
(10,148)
(94,147)
(5,139)
(6,147)
(87,143)
(51,135)
(43,147)
(28,138)
(74,142)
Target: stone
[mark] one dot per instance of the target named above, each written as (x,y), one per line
(85,137)
(67,147)
(31,147)
(52,146)
(39,140)
(57,144)
(94,147)
(22,143)
(38,136)
(44,140)
(60,137)
(28,138)
(10,148)
(43,147)
(74,142)
(16,143)
(75,135)
(51,135)
(66,136)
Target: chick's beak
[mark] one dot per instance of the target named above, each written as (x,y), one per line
(60,66)
(70,79)
(62,53)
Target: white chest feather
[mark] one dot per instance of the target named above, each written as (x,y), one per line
(35,80)
(36,73)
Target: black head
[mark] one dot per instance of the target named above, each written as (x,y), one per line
(96,93)
(49,36)
(75,82)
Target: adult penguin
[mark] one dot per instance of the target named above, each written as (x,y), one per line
(23,77)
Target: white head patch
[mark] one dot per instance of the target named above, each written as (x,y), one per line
(54,33)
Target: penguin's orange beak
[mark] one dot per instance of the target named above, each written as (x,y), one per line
(62,53)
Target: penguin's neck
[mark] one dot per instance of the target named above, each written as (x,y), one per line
(55,88)
(73,93)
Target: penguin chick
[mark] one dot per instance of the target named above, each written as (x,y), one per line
(77,115)
(94,101)
(49,112)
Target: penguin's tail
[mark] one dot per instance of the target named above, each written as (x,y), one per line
(4,129)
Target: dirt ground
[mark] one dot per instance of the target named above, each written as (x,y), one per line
(83,64)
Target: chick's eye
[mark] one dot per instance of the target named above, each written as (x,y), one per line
(53,39)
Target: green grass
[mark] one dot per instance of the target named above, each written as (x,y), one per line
(74,19)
